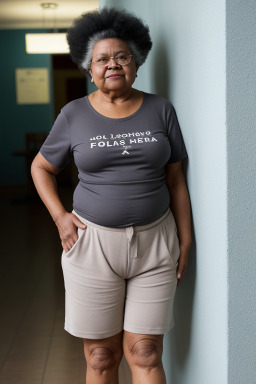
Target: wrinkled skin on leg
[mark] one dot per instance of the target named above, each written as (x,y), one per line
(103,357)
(144,356)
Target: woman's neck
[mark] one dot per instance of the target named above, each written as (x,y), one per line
(114,97)
(116,107)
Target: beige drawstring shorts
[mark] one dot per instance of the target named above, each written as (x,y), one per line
(121,278)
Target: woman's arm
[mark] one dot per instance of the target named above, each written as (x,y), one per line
(43,174)
(180,206)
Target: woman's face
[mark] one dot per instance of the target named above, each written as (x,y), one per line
(113,77)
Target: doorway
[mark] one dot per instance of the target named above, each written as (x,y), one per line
(69,83)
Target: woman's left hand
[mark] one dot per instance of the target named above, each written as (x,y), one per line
(180,206)
(182,263)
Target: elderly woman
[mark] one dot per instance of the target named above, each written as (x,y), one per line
(126,243)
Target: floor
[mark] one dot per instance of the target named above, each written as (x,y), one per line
(34,348)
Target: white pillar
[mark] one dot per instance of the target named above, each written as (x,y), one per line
(241,160)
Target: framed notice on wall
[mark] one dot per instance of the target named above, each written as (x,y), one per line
(32,86)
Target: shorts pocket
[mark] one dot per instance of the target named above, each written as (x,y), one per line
(169,230)
(80,234)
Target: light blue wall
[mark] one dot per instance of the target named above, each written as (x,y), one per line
(188,65)
(241,122)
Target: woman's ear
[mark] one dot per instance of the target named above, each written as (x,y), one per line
(90,72)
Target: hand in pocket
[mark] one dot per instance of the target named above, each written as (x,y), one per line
(67,225)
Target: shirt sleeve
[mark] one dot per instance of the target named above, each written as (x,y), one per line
(178,149)
(57,147)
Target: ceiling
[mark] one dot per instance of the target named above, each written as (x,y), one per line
(23,14)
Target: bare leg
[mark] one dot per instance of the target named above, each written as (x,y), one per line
(144,356)
(103,357)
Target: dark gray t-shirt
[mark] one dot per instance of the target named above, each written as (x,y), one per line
(121,162)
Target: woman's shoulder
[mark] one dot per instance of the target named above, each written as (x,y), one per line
(157,101)
(74,106)
(154,98)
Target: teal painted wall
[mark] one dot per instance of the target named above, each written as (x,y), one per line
(16,120)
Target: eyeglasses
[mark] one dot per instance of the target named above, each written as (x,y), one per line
(104,61)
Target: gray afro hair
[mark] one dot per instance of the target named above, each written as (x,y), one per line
(106,23)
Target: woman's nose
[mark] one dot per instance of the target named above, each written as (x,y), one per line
(112,63)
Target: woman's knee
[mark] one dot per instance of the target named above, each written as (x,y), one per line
(103,355)
(101,359)
(144,351)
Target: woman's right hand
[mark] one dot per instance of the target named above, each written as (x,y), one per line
(43,174)
(67,224)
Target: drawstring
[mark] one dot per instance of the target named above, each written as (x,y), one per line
(132,243)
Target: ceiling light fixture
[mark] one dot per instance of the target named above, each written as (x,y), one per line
(47,43)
